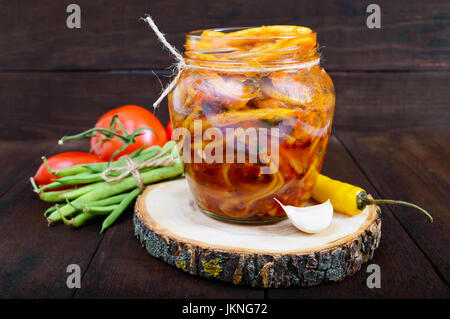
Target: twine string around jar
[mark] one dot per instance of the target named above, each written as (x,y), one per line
(182,65)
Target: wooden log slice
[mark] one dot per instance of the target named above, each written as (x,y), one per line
(170,226)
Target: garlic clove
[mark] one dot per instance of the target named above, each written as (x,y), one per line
(310,219)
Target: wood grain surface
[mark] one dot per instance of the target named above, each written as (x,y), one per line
(34,258)
(405,271)
(50,105)
(270,255)
(412,165)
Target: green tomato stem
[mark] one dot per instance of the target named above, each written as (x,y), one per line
(109,134)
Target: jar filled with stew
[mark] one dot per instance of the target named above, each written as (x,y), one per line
(254,109)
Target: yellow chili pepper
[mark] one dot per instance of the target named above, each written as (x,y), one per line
(349,199)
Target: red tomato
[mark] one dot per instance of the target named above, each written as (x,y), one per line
(63,160)
(169,130)
(132,117)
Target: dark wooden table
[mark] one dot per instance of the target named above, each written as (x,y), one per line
(390,136)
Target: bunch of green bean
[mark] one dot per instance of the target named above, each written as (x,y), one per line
(78,205)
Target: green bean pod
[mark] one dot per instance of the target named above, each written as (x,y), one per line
(59,196)
(81,219)
(108,201)
(99,210)
(100,167)
(145,155)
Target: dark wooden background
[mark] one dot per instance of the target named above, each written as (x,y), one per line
(390,134)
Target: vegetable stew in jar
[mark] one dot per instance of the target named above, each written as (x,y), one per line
(252,112)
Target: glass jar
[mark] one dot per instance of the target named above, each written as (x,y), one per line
(261,79)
